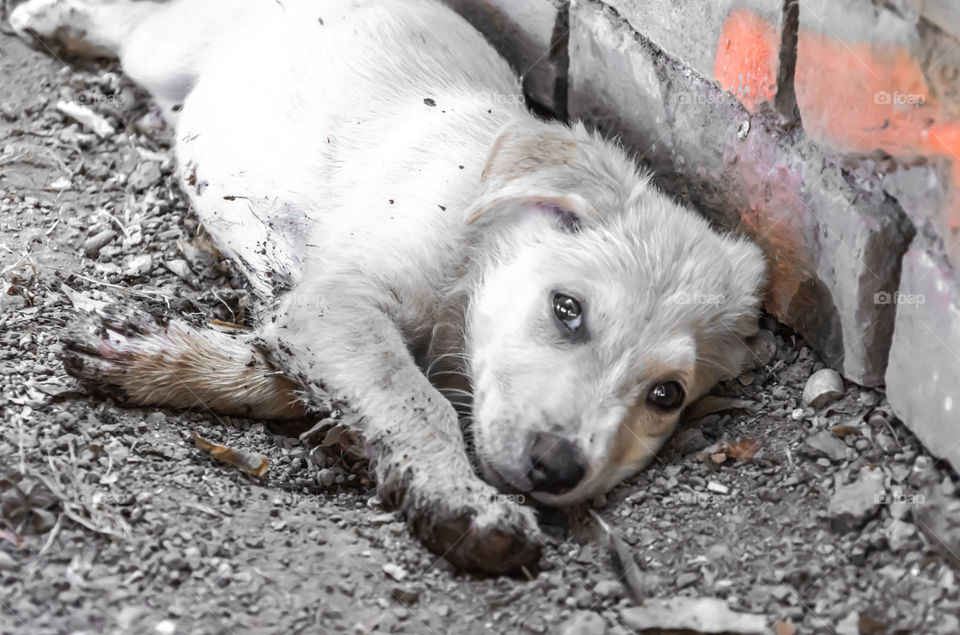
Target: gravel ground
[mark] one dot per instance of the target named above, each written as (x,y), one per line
(835,520)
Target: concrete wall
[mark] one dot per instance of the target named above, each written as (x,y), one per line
(827,130)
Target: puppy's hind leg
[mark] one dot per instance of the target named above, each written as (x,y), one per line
(137,359)
(82,29)
(160,44)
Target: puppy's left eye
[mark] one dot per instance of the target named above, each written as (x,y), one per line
(666,396)
(568,311)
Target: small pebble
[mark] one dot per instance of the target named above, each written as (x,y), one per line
(686,579)
(396,572)
(93,245)
(823,388)
(404,595)
(7,563)
(180,267)
(145,175)
(165,627)
(137,266)
(584,623)
(887,443)
(852,505)
(8,112)
(764,348)
(713,486)
(608,589)
(326,477)
(868,397)
(824,444)
(768,494)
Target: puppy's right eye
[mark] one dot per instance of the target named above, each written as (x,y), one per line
(568,311)
(666,396)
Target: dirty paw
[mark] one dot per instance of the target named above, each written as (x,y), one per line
(102,349)
(471,525)
(498,538)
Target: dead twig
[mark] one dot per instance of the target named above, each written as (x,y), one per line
(632,576)
(150,294)
(53,536)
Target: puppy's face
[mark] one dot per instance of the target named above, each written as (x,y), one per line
(597,319)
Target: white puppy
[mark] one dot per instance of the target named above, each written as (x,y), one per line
(359,161)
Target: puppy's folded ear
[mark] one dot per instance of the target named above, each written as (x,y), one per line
(561,208)
(533,166)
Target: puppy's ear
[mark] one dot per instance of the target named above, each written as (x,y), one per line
(532,167)
(561,208)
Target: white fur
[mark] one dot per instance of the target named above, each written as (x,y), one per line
(365,153)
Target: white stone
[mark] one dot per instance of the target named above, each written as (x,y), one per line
(823,388)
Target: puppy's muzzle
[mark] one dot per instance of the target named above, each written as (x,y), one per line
(556,465)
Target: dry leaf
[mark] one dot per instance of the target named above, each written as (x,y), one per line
(632,576)
(56,389)
(744,449)
(718,453)
(843,432)
(82,302)
(228,327)
(249,462)
(866,624)
(784,628)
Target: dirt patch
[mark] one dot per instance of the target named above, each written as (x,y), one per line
(113,521)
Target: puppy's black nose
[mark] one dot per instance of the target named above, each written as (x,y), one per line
(557,466)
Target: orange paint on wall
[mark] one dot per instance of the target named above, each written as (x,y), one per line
(863,96)
(747,58)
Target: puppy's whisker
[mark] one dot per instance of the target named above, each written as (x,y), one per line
(449,373)
(466,398)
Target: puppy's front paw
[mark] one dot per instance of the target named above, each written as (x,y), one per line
(101,349)
(469,524)
(497,538)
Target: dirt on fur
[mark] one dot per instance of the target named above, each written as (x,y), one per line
(112,520)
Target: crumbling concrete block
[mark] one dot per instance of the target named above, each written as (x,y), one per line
(747,46)
(832,247)
(532,36)
(861,237)
(923,376)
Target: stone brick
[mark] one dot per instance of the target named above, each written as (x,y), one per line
(861,236)
(831,246)
(923,376)
(531,35)
(744,45)
(885,77)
